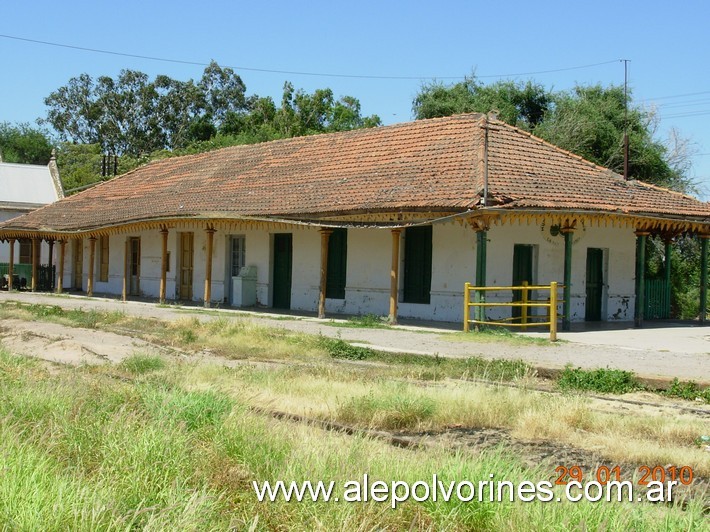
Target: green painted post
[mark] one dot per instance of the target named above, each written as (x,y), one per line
(640,277)
(703,277)
(567,292)
(667,272)
(481,242)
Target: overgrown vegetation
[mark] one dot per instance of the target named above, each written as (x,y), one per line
(688,390)
(601,380)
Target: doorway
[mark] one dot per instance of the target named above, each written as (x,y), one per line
(78,270)
(187,258)
(283,260)
(134,263)
(595,284)
(522,272)
(417,264)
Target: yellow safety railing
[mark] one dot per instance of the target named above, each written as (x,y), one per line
(524,304)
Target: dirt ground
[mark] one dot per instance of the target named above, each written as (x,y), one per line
(650,352)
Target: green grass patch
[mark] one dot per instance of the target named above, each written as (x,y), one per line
(601,380)
(139,364)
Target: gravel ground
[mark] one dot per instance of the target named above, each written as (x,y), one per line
(665,352)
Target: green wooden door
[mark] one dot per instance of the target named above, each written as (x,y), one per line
(595,284)
(522,272)
(417,264)
(337,262)
(283,260)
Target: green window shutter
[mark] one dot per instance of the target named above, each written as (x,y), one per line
(337,264)
(417,264)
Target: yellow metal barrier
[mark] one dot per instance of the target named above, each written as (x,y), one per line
(524,305)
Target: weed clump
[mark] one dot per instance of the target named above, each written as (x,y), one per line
(141,364)
(602,380)
(687,390)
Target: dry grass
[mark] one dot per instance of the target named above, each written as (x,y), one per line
(334,393)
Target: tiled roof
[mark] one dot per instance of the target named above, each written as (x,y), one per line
(434,165)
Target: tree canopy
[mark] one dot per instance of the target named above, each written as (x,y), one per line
(134,115)
(24,144)
(587,120)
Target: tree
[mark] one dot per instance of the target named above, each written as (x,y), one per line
(24,144)
(133,115)
(520,104)
(590,122)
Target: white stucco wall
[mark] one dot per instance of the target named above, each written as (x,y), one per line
(619,258)
(368,267)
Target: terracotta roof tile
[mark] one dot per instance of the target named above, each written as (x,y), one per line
(429,164)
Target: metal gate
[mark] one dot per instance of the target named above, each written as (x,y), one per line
(658,300)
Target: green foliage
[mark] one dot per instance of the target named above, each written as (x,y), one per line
(599,380)
(589,121)
(136,116)
(688,390)
(24,144)
(338,348)
(520,104)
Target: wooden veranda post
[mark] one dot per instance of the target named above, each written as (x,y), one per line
(60,266)
(208,268)
(35,263)
(164,264)
(90,279)
(394,276)
(703,278)
(10,266)
(324,239)
(568,233)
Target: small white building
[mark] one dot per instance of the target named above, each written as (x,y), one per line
(25,188)
(389,221)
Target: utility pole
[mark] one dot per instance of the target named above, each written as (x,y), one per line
(626,118)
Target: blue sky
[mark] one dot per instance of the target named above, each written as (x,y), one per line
(667,45)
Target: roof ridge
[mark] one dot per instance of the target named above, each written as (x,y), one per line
(307,138)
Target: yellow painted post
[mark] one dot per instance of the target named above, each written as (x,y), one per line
(524,308)
(466,307)
(553,311)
